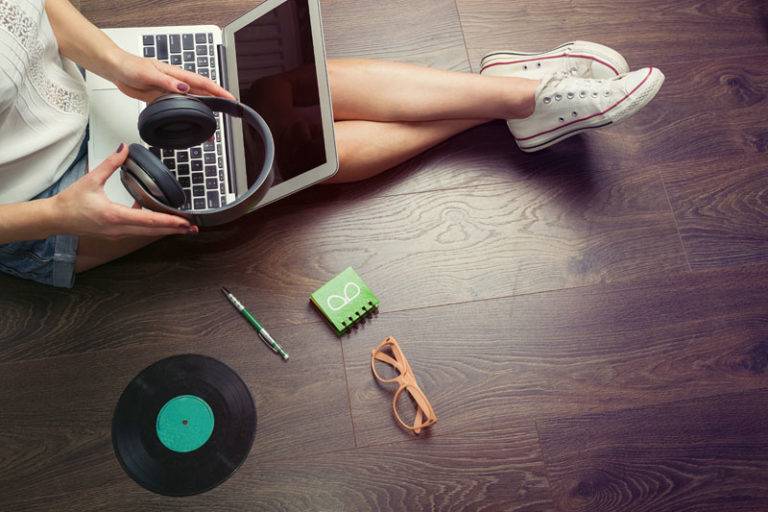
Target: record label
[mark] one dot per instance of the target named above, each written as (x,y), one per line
(183,425)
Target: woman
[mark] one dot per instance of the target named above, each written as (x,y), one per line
(56,221)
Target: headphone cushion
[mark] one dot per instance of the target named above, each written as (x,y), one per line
(159,173)
(176,122)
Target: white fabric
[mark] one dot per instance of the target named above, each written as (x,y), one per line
(43,105)
(579,58)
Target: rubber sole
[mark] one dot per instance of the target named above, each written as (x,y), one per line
(560,138)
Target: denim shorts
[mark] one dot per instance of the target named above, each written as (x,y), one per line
(50,261)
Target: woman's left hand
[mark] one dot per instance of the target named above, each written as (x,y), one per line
(146,79)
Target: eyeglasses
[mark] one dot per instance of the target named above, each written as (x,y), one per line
(389,353)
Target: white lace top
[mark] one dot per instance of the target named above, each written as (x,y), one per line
(43,105)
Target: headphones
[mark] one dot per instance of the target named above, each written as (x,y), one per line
(176,121)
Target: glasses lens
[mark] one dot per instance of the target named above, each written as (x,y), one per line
(406,408)
(385,371)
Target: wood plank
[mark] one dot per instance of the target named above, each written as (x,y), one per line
(494,467)
(426,33)
(134,13)
(706,455)
(548,232)
(646,31)
(721,210)
(568,352)
(56,412)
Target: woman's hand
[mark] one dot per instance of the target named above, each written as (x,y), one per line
(146,79)
(143,79)
(84,209)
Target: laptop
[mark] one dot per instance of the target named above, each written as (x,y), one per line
(272,59)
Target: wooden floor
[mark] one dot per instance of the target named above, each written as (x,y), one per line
(590,322)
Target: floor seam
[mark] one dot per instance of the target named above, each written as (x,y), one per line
(547,474)
(674,219)
(463,35)
(349,395)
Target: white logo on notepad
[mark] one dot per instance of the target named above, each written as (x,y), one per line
(346,299)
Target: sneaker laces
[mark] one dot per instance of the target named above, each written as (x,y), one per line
(562,83)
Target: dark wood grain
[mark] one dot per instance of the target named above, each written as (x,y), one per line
(426,33)
(721,209)
(142,13)
(568,352)
(706,455)
(494,468)
(645,31)
(611,290)
(57,412)
(546,232)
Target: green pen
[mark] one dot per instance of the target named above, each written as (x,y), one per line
(263,334)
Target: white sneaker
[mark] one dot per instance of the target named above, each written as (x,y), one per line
(578,58)
(566,105)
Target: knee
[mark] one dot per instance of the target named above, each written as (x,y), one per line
(342,173)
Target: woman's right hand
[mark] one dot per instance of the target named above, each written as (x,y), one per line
(84,209)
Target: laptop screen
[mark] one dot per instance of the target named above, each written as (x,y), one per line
(277,78)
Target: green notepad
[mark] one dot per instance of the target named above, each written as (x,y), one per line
(344,300)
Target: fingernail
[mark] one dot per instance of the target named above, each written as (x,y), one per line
(120,147)
(193,229)
(182,87)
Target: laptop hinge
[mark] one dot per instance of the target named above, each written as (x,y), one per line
(230,148)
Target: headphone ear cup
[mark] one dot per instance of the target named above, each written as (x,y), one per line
(173,121)
(156,178)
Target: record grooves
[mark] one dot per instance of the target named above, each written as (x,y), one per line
(183,425)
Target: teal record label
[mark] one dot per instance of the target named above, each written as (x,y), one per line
(185,423)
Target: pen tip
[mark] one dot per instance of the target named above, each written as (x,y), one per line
(225,291)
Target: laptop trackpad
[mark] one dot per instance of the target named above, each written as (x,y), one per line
(114,118)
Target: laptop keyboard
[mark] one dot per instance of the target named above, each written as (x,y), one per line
(201,170)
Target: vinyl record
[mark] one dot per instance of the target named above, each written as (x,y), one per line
(183,425)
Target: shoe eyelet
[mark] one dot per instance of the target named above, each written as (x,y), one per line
(574,114)
(574,69)
(558,97)
(538,64)
(607,93)
(525,66)
(570,95)
(594,94)
(562,119)
(547,100)
(582,94)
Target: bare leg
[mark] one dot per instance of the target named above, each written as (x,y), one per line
(367,148)
(92,252)
(376,90)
